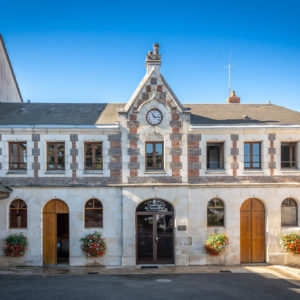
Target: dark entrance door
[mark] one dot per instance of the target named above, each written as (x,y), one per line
(62,238)
(155,233)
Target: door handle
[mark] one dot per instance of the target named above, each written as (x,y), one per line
(156,239)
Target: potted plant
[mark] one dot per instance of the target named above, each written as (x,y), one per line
(291,242)
(216,244)
(93,245)
(15,245)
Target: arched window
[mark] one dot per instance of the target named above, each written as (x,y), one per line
(93,213)
(18,214)
(215,212)
(289,212)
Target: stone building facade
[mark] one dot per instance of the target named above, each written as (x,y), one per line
(166,176)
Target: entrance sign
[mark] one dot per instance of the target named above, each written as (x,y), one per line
(154,205)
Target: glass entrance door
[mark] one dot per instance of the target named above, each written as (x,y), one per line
(145,238)
(164,238)
(154,232)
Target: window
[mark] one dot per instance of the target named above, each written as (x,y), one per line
(93,215)
(252,155)
(93,156)
(154,155)
(288,155)
(18,214)
(56,156)
(17,156)
(215,156)
(215,212)
(289,212)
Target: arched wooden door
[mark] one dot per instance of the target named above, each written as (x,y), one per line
(55,232)
(252,231)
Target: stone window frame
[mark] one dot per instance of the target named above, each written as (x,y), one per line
(251,155)
(93,158)
(154,156)
(215,207)
(100,209)
(18,143)
(290,199)
(291,143)
(55,156)
(222,143)
(17,208)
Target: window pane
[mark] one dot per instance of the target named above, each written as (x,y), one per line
(159,156)
(14,204)
(93,218)
(14,155)
(288,216)
(61,156)
(51,156)
(18,218)
(256,148)
(215,216)
(89,203)
(211,203)
(247,164)
(22,204)
(247,149)
(98,156)
(219,203)
(149,153)
(97,203)
(23,155)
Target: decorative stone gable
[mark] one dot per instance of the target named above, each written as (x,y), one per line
(153,93)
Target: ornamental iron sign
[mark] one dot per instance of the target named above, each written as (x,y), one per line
(153,205)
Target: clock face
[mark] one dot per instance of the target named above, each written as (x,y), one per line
(154,117)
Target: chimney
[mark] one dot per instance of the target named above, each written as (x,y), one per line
(233,98)
(153,60)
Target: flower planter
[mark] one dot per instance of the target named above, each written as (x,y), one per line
(93,245)
(15,245)
(216,244)
(291,243)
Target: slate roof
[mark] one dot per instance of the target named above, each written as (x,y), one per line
(103,113)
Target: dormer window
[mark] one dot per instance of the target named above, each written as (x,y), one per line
(154,155)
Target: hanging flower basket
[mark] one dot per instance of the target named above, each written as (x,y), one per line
(216,244)
(93,245)
(15,245)
(291,243)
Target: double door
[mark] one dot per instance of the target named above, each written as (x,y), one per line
(155,237)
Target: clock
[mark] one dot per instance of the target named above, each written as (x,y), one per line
(154,117)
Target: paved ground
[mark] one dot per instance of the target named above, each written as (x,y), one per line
(221,285)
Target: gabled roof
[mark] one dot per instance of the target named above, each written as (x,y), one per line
(143,83)
(7,77)
(104,113)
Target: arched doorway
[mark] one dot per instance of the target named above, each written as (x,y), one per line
(154,232)
(55,232)
(252,231)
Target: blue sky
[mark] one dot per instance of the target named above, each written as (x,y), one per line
(94,51)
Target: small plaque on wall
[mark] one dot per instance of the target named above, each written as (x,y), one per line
(181,227)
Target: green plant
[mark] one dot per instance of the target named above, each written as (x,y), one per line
(15,245)
(291,242)
(93,245)
(216,244)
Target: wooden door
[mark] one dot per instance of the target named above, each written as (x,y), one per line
(252,231)
(51,209)
(49,240)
